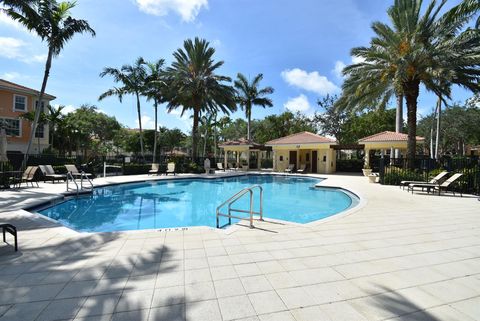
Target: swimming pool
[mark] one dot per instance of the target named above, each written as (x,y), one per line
(193,202)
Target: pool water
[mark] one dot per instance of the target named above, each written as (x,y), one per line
(193,202)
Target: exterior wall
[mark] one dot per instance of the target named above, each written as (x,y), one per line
(7,111)
(326,157)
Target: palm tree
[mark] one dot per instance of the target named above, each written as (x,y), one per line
(54,118)
(52,22)
(154,90)
(194,85)
(249,95)
(132,80)
(418,49)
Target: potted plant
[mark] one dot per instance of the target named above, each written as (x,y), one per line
(366,170)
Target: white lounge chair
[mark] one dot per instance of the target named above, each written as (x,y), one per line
(72,169)
(302,168)
(290,168)
(155,169)
(170,169)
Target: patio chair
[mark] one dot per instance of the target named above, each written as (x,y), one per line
(170,169)
(6,227)
(302,168)
(72,169)
(49,173)
(436,180)
(220,167)
(155,169)
(28,176)
(444,186)
(290,168)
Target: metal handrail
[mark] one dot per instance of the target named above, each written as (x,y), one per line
(70,177)
(82,175)
(234,199)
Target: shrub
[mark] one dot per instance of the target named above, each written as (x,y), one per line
(349,165)
(135,169)
(394,175)
(267,163)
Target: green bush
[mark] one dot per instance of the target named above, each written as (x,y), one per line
(136,169)
(349,165)
(394,175)
(192,167)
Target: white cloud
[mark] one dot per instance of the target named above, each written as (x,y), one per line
(339,65)
(147,122)
(11,47)
(9,22)
(311,81)
(299,103)
(34,59)
(186,9)
(10,76)
(66,109)
(357,60)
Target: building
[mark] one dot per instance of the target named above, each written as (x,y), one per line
(15,100)
(307,149)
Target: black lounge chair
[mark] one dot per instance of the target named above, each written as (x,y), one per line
(49,173)
(10,229)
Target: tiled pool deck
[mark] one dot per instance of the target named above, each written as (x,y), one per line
(399,257)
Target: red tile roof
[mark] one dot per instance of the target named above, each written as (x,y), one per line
(238,142)
(387,136)
(22,89)
(301,138)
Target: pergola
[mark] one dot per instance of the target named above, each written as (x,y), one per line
(245,147)
(384,141)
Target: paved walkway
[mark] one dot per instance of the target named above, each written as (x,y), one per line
(399,257)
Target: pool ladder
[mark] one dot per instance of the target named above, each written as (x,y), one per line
(250,211)
(70,178)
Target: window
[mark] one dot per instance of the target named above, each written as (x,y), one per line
(43,105)
(19,103)
(281,158)
(40,132)
(12,126)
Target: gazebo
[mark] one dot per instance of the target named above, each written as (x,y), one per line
(384,141)
(243,148)
(307,149)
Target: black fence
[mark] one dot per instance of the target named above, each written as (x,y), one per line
(127,165)
(394,170)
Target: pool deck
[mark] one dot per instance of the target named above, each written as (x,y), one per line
(398,256)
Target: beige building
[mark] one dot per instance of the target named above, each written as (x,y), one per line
(386,141)
(307,149)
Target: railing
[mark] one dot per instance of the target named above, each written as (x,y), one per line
(82,176)
(232,200)
(71,179)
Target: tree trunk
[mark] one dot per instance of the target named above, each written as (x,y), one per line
(140,125)
(195,133)
(48,65)
(434,116)
(249,117)
(215,137)
(439,116)
(411,95)
(399,120)
(155,106)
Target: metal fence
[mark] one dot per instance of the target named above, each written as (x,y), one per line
(393,170)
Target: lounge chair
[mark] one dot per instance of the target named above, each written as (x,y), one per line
(155,169)
(444,186)
(170,169)
(436,180)
(28,176)
(290,168)
(10,229)
(72,169)
(220,167)
(302,168)
(49,173)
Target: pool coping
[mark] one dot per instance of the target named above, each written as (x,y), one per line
(362,202)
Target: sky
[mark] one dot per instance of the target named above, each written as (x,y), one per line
(299,46)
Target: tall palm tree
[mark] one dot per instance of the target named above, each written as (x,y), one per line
(249,95)
(194,85)
(154,90)
(54,118)
(419,49)
(52,22)
(132,80)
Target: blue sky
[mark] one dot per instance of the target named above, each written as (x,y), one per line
(299,46)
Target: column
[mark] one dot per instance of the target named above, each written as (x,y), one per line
(225,159)
(367,158)
(248,160)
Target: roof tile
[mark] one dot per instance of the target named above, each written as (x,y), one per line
(386,136)
(301,138)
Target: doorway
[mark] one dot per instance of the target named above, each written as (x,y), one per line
(293,158)
(314,161)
